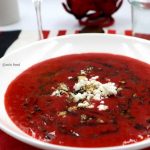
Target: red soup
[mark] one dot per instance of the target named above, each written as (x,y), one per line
(83,100)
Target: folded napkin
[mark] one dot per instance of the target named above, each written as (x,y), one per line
(6,39)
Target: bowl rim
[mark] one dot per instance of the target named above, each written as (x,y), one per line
(41,144)
(75,35)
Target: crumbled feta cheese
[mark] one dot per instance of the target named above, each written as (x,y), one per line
(90,68)
(75,133)
(94,78)
(101,102)
(70,77)
(73,108)
(129,141)
(78,97)
(122,82)
(141,137)
(119,89)
(110,88)
(102,107)
(99,120)
(62,89)
(86,89)
(95,89)
(83,117)
(81,83)
(62,113)
(107,79)
(85,104)
(82,72)
(91,106)
(89,96)
(56,93)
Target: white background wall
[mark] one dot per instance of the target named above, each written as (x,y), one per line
(55,17)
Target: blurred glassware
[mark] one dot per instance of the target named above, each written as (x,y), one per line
(37,5)
(141,18)
(9,12)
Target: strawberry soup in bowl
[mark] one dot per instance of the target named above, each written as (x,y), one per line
(78,92)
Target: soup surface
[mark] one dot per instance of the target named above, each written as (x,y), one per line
(83,100)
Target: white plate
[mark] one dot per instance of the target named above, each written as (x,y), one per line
(39,51)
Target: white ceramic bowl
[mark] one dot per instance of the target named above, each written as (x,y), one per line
(39,51)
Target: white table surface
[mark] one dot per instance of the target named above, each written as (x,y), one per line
(56,18)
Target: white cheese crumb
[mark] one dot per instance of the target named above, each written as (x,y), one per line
(80,78)
(70,77)
(101,102)
(129,141)
(102,107)
(62,89)
(100,120)
(62,114)
(110,88)
(141,137)
(89,96)
(82,72)
(82,81)
(75,133)
(78,97)
(94,78)
(85,104)
(107,79)
(56,93)
(91,106)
